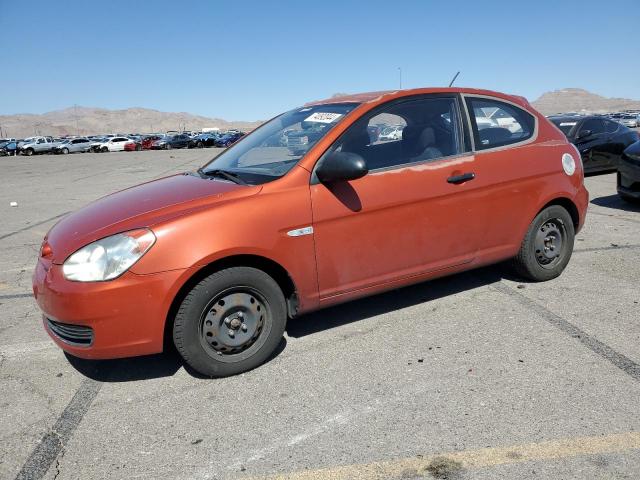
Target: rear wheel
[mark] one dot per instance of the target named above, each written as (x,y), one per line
(547,246)
(230,322)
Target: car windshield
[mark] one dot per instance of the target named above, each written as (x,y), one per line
(275,148)
(565,125)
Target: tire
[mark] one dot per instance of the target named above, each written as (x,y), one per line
(547,246)
(243,301)
(168,146)
(138,148)
(200,145)
(65,151)
(104,149)
(28,152)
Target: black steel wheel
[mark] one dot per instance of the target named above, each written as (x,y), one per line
(547,246)
(230,322)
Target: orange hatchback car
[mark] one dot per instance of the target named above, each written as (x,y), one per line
(328,202)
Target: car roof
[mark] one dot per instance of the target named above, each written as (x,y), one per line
(570,118)
(385,95)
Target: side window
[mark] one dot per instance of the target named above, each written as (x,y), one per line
(496,123)
(610,127)
(594,125)
(405,132)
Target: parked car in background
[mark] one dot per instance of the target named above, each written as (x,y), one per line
(147,141)
(115,144)
(599,140)
(228,139)
(36,145)
(630,120)
(220,258)
(72,145)
(95,142)
(171,141)
(628,181)
(133,146)
(390,133)
(204,140)
(8,147)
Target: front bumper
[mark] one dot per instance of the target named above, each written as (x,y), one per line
(126,316)
(629,179)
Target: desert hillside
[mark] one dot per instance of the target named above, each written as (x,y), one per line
(91,121)
(579,100)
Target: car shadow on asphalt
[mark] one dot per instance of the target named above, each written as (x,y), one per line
(614,201)
(380,304)
(168,363)
(165,364)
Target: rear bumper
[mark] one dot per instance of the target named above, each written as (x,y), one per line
(582,203)
(124,317)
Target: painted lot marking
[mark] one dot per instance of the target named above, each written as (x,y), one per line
(621,361)
(52,444)
(449,464)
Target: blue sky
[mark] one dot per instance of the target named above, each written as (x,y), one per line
(249,60)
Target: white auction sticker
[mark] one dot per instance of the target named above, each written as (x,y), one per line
(323,117)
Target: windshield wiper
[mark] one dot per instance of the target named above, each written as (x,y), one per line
(233,177)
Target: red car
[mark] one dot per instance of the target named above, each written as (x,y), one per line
(217,260)
(148,141)
(132,146)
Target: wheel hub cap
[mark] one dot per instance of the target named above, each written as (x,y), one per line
(548,243)
(233,322)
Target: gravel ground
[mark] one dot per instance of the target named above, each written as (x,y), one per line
(477,375)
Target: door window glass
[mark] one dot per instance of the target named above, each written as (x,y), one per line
(496,123)
(595,125)
(405,132)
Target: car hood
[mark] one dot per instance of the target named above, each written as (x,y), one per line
(137,207)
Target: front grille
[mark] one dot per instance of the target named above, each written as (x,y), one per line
(73,334)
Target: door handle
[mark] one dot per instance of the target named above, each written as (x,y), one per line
(465,177)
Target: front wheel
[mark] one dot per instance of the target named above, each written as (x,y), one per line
(65,151)
(104,149)
(230,322)
(168,146)
(28,152)
(547,246)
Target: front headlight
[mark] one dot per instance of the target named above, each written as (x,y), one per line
(109,257)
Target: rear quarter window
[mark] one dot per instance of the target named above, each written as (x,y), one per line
(497,124)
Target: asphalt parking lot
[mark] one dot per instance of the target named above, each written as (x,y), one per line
(474,376)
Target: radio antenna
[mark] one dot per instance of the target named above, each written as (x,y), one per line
(454,79)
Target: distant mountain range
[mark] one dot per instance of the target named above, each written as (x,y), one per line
(579,100)
(92,121)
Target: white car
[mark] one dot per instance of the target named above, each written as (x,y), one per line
(393,132)
(115,144)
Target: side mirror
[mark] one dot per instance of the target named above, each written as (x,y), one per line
(341,166)
(584,134)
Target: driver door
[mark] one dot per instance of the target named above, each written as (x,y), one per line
(406,217)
